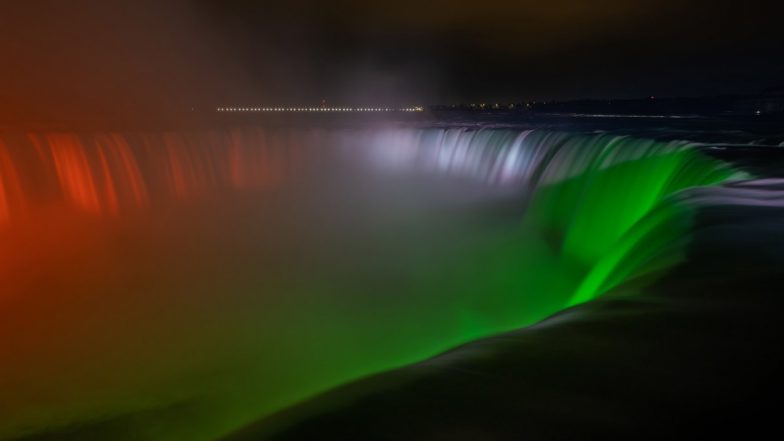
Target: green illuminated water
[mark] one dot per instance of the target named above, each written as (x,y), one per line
(213,314)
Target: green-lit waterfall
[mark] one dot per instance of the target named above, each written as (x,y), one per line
(196,282)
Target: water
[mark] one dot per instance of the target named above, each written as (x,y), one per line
(181,285)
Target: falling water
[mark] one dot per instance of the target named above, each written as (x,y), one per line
(180,285)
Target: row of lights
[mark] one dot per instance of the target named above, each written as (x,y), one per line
(318,109)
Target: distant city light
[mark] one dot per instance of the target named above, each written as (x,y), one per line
(319,109)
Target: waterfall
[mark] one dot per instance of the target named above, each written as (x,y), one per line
(297,260)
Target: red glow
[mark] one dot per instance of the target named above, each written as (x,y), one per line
(10,187)
(102,174)
(121,170)
(74,171)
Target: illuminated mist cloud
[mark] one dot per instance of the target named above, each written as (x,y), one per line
(282,309)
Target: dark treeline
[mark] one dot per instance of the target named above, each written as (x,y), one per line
(767,103)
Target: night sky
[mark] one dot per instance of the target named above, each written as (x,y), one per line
(122,56)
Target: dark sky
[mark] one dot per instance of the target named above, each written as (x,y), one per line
(123,55)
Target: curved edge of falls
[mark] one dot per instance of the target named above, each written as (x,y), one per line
(695,354)
(601,210)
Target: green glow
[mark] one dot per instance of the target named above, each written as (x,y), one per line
(582,235)
(621,200)
(217,330)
